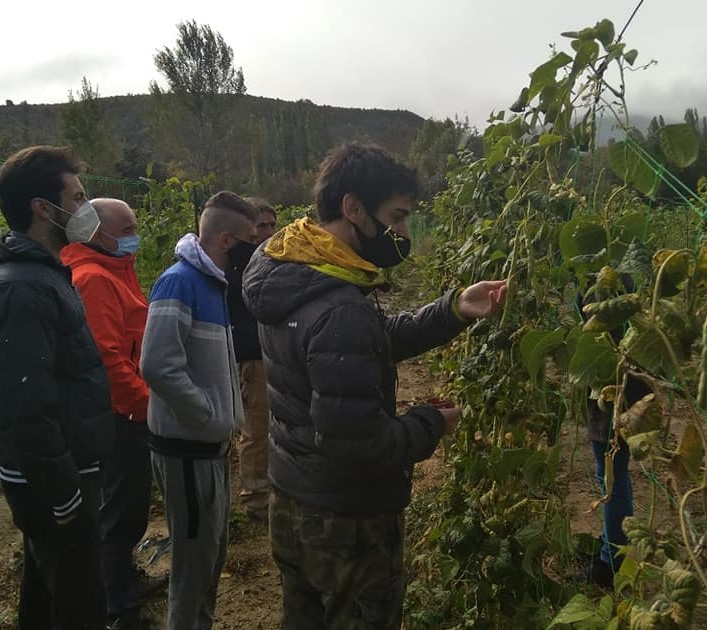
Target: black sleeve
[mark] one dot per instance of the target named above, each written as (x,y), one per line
(347,404)
(433,325)
(29,420)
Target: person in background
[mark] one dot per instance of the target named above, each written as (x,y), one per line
(253,443)
(195,404)
(104,275)
(602,566)
(341,458)
(56,422)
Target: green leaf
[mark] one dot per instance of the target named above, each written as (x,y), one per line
(449,568)
(549,139)
(510,192)
(545,73)
(534,469)
(499,152)
(605,607)
(579,608)
(605,32)
(631,225)
(536,345)
(632,169)
(504,462)
(533,530)
(646,348)
(615,51)
(679,266)
(593,362)
(532,553)
(465,194)
(679,144)
(629,568)
(630,56)
(581,236)
(587,53)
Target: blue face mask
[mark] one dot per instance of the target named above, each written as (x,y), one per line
(127,245)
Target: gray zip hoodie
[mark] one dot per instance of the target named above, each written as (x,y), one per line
(187,353)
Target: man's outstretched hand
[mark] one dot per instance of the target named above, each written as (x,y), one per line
(451,419)
(482,299)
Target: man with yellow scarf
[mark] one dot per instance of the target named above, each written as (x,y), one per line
(341,460)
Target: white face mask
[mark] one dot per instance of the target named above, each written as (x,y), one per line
(82,225)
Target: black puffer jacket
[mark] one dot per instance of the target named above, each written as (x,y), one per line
(55,415)
(330,357)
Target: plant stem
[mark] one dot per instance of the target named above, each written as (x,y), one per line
(686,540)
(659,279)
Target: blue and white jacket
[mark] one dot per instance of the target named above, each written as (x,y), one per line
(187,353)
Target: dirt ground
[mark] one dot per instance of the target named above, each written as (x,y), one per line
(249,593)
(249,596)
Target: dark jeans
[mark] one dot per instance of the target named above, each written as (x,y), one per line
(620,504)
(338,572)
(61,585)
(127,485)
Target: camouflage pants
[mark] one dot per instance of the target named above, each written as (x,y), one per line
(338,572)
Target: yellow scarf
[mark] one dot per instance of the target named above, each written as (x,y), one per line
(306,242)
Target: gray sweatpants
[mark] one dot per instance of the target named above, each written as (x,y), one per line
(197,498)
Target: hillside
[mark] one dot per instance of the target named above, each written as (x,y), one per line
(262,138)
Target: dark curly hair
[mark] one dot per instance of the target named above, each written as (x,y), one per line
(364,170)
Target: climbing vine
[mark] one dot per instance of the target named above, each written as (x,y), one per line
(500,545)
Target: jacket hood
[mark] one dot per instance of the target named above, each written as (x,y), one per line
(304,241)
(190,250)
(77,254)
(272,289)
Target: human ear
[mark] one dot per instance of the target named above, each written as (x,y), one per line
(40,208)
(352,209)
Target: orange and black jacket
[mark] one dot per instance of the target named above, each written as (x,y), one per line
(116,310)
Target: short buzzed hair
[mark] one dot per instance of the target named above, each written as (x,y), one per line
(227,200)
(219,211)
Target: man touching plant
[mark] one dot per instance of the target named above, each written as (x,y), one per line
(340,458)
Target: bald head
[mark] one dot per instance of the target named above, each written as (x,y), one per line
(117,220)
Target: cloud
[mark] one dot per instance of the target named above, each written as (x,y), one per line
(47,77)
(670,100)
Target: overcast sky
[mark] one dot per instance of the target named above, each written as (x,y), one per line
(436,58)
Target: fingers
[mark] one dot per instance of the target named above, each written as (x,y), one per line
(492,285)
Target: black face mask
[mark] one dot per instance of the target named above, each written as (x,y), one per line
(386,249)
(239,255)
